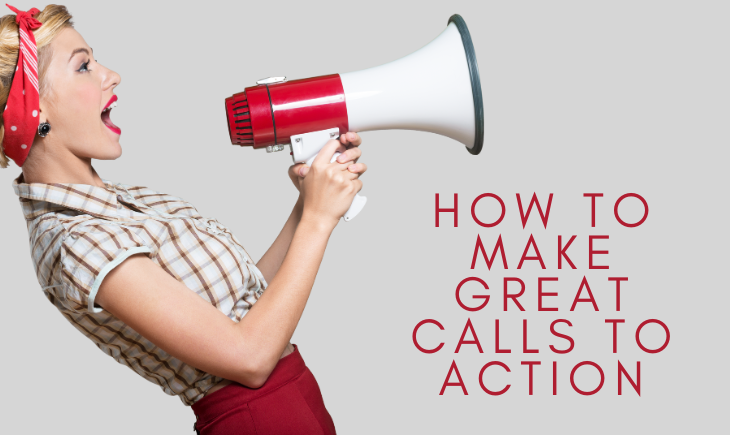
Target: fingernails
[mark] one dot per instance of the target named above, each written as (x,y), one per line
(341,158)
(351,168)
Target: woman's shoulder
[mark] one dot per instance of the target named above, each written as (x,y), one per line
(52,233)
(49,230)
(46,234)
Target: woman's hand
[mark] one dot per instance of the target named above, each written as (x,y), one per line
(351,153)
(328,188)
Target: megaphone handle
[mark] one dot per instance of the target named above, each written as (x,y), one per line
(357,203)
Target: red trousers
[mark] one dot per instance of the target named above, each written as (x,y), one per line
(288,403)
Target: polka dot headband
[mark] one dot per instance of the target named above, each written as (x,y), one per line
(20,118)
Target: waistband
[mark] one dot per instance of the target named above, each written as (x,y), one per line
(235,394)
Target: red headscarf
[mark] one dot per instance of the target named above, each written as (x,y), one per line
(21,113)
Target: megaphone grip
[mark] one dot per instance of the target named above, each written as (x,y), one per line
(357,203)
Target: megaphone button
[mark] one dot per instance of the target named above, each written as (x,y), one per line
(270,80)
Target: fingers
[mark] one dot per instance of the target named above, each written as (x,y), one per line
(325,154)
(350,155)
(357,169)
(353,153)
(347,146)
(296,169)
(350,138)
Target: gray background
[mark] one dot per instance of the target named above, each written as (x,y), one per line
(609,97)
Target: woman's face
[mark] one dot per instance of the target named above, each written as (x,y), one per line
(79,90)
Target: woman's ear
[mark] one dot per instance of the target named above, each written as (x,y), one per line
(41,114)
(44,106)
(41,109)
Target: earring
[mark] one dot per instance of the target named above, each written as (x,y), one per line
(43,129)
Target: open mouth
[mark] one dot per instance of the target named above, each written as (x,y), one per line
(105,115)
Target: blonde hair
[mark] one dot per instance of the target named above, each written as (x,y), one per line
(54,18)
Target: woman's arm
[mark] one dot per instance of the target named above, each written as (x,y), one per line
(270,262)
(165,312)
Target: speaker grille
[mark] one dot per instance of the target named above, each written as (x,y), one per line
(239,119)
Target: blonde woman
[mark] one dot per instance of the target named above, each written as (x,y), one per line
(170,294)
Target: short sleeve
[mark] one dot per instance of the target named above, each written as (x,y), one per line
(88,254)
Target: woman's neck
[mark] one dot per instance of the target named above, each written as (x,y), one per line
(43,166)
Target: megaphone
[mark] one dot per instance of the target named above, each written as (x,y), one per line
(435,89)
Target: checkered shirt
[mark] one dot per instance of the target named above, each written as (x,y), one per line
(78,233)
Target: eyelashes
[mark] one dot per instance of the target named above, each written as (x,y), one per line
(84,67)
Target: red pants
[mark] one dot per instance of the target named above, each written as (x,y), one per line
(289,402)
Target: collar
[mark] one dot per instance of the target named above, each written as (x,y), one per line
(39,198)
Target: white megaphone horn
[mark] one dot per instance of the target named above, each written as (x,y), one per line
(435,89)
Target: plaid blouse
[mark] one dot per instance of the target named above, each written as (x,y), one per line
(78,233)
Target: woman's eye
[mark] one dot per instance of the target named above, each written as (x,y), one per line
(84,67)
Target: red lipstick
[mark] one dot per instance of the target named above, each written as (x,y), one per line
(105,115)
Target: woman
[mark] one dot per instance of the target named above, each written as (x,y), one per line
(120,261)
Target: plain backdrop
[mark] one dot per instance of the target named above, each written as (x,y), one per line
(609,97)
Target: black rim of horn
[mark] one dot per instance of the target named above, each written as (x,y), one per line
(476,85)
